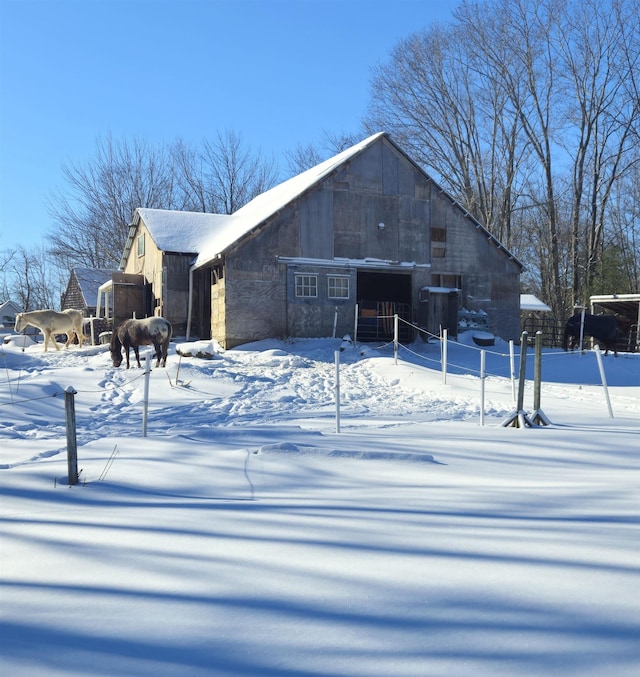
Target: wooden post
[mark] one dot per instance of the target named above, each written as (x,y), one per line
(538,416)
(355,325)
(519,419)
(72,446)
(537,371)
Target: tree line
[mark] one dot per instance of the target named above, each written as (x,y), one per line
(526,111)
(91,214)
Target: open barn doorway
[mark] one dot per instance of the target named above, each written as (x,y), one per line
(380,297)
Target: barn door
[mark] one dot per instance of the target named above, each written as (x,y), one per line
(439,310)
(130,300)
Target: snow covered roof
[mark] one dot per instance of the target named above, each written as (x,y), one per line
(270,202)
(8,312)
(185,232)
(209,235)
(623,304)
(533,303)
(11,306)
(89,280)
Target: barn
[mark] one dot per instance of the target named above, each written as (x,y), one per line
(360,237)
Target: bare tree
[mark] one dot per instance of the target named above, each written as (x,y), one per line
(303,157)
(595,59)
(33,281)
(222,175)
(93,212)
(6,257)
(528,111)
(623,218)
(92,215)
(439,98)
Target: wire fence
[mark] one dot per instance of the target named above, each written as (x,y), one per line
(442,360)
(503,365)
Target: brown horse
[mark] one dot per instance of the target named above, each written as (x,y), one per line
(154,331)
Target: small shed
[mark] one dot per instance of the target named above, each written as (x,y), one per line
(8,312)
(82,289)
(532,304)
(536,316)
(626,309)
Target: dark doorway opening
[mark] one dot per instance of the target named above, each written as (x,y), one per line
(380,297)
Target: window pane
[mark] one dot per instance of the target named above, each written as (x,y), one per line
(307,286)
(338,287)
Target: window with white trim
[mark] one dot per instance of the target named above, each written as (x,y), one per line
(140,245)
(307,286)
(337,287)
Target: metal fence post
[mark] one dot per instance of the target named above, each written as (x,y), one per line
(337,363)
(145,400)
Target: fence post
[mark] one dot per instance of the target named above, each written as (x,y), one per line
(519,419)
(443,349)
(522,374)
(538,415)
(584,310)
(482,380)
(537,371)
(72,446)
(512,367)
(603,378)
(355,325)
(145,402)
(337,360)
(395,339)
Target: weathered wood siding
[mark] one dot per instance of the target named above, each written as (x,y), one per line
(73,298)
(175,301)
(167,273)
(340,219)
(490,280)
(252,303)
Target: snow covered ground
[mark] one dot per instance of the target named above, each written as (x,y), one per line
(245,536)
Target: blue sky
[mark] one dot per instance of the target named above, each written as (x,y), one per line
(278,72)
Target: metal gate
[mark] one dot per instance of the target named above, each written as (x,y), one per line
(376,320)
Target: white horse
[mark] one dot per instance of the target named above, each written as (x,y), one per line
(51,322)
